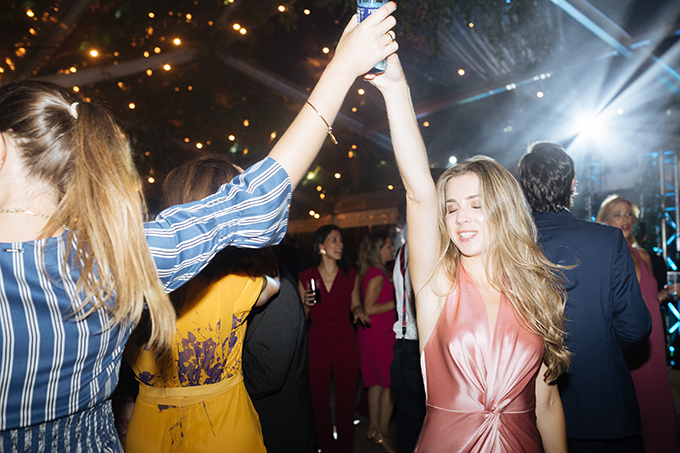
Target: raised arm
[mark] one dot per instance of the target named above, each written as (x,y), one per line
(421,196)
(360,48)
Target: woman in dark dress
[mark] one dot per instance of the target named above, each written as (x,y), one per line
(332,343)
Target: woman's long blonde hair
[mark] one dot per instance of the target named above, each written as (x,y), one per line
(79,149)
(516,266)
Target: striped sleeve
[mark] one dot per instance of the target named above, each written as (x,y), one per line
(249,212)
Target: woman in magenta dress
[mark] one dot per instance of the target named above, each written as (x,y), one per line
(647,362)
(490,306)
(331,342)
(376,342)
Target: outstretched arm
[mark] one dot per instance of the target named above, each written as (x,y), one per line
(360,48)
(421,196)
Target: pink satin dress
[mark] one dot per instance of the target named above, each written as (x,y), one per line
(481,393)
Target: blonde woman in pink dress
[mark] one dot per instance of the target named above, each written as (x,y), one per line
(647,362)
(490,305)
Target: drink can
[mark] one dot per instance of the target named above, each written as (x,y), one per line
(364,9)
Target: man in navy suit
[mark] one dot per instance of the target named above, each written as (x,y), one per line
(605,311)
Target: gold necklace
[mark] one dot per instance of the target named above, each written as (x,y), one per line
(25,211)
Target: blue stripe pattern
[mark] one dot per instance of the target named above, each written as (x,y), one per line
(54,365)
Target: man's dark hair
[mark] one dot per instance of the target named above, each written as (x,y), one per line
(545,174)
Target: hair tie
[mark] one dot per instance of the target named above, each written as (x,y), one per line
(73,110)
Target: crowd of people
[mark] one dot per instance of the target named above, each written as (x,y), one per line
(504,324)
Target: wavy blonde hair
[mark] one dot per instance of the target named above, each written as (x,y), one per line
(79,149)
(516,265)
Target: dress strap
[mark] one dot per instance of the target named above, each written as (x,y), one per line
(185,396)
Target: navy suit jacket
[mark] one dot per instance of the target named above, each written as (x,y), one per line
(605,315)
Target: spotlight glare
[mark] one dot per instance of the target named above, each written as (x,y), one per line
(453,160)
(539,94)
(620,111)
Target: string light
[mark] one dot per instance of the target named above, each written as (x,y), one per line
(390,187)
(157,50)
(272,136)
(152,15)
(146,54)
(132,106)
(246,123)
(350,154)
(177,41)
(361,91)
(151,180)
(338,176)
(325,50)
(426,124)
(461,72)
(471,25)
(237,27)
(306,12)
(186,140)
(322,195)
(231,138)
(30,13)
(316,216)
(282,8)
(311,213)
(319,188)
(242,31)
(167,67)
(199,145)
(94,53)
(539,94)
(76,89)
(354,109)
(73,69)
(149,72)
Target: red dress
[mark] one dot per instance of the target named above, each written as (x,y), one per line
(376,341)
(481,385)
(650,375)
(332,349)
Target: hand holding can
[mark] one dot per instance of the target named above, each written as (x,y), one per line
(364,9)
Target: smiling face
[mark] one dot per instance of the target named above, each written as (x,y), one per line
(465,220)
(332,245)
(622,216)
(387,251)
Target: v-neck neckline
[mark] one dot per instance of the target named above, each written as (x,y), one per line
(335,277)
(485,310)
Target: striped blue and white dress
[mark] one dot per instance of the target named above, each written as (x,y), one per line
(56,371)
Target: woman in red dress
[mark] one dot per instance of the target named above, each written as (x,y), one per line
(376,344)
(331,342)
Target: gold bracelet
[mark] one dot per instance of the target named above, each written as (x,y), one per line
(330,129)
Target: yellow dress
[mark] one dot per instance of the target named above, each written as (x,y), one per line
(194,399)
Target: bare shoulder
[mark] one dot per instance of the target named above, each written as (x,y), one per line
(644,254)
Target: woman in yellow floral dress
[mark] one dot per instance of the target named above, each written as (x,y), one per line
(193,398)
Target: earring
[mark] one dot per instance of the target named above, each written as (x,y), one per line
(321,251)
